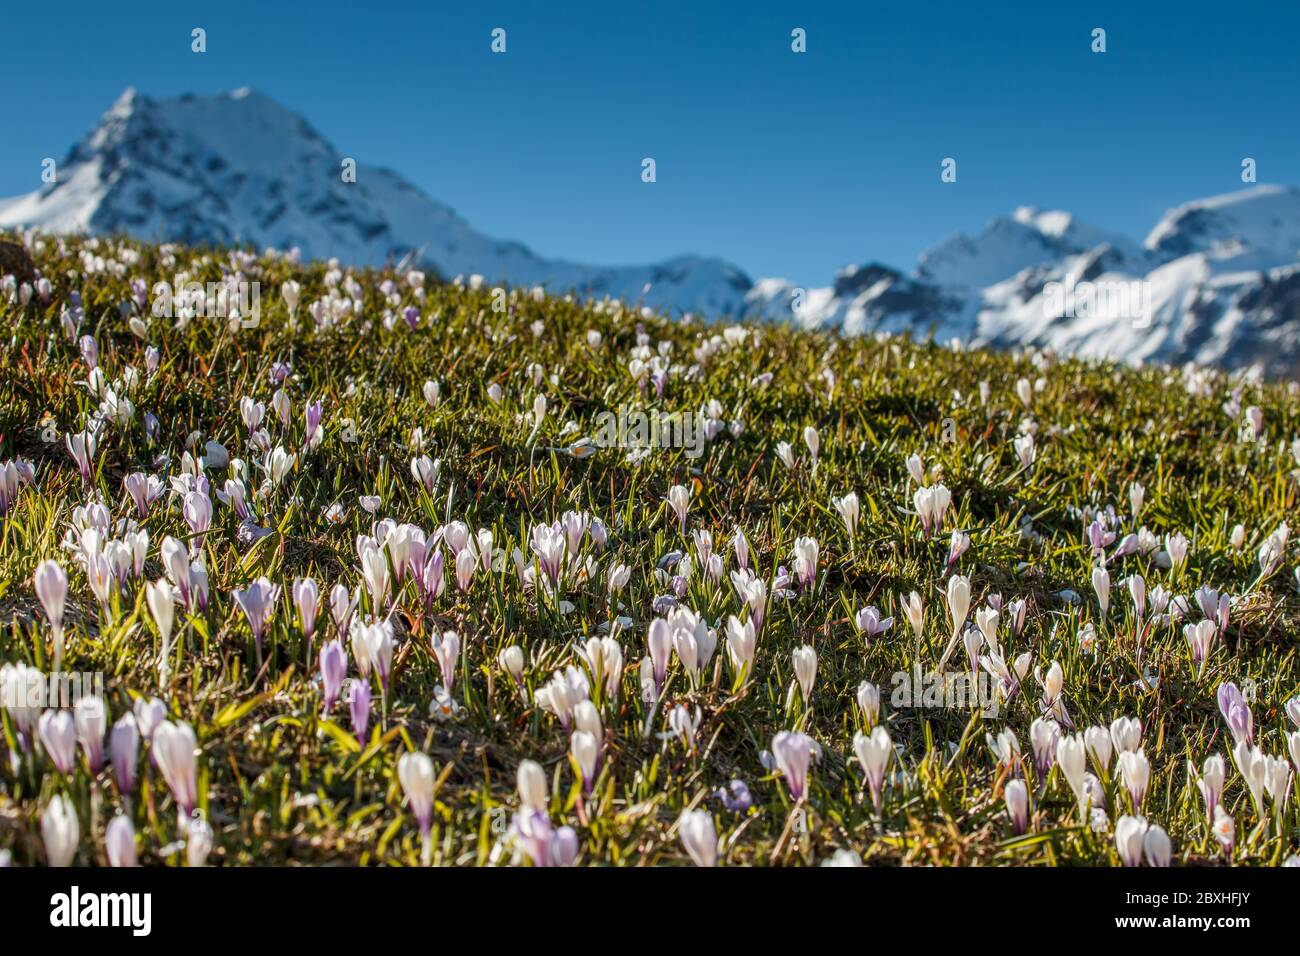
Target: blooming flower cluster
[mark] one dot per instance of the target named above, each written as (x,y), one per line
(360,573)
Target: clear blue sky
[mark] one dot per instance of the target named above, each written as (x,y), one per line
(786,164)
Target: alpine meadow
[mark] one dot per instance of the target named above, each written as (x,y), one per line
(352,577)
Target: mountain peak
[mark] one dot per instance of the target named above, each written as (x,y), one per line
(1010,244)
(125,103)
(239,167)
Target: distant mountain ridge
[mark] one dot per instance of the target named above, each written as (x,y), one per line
(1217,279)
(237,167)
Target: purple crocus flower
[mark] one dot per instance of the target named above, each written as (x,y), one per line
(793,752)
(359,705)
(306,598)
(1129,545)
(314,434)
(532,833)
(564,847)
(1214,606)
(333,668)
(198,515)
(870,623)
(1099,539)
(13,474)
(59,738)
(1236,712)
(258,604)
(412,316)
(81,447)
(659,642)
(144,491)
(736,797)
(431,580)
(548,545)
(89,351)
(123,751)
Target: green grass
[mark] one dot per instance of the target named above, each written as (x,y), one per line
(280,783)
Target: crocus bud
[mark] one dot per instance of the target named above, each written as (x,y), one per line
(60,831)
(564,847)
(1129,834)
(148,715)
(333,669)
(850,512)
(175,752)
(1098,742)
(119,841)
(1126,733)
(59,738)
(1225,830)
(511,660)
(359,708)
(659,641)
(916,468)
(91,719)
(869,703)
(52,589)
(698,836)
(1136,771)
(1136,498)
(913,610)
(793,753)
(531,781)
(679,501)
(1072,758)
(805,670)
(1101,584)
(1156,846)
(813,441)
(123,751)
(873,752)
(972,640)
(415,771)
(1017,795)
(257,601)
(586,753)
(162,605)
(306,598)
(446,651)
(958,594)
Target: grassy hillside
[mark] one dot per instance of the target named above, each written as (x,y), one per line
(492,394)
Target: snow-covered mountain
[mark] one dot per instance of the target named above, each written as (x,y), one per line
(241,167)
(1216,281)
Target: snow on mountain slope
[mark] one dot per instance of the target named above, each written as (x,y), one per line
(1221,286)
(1261,225)
(1008,245)
(239,167)
(1218,282)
